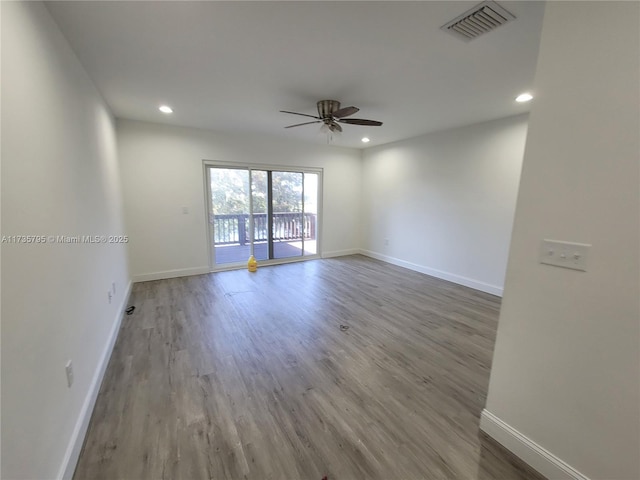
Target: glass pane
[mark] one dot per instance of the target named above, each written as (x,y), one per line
(260,224)
(230,214)
(286,199)
(310,213)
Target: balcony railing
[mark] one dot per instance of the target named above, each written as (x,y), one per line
(233,229)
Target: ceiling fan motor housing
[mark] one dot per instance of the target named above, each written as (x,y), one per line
(327,107)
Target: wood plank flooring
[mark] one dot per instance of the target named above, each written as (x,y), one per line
(239,375)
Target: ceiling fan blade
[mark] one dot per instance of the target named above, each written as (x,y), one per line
(303,114)
(345,112)
(306,123)
(360,121)
(334,127)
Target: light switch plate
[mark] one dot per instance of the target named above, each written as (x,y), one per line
(565,254)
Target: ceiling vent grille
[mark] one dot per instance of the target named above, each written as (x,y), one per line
(482,18)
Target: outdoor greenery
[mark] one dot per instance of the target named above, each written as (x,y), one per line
(230,187)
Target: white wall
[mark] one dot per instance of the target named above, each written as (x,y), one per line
(445,201)
(59,177)
(566,368)
(162,172)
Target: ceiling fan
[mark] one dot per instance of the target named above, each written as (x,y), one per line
(331,115)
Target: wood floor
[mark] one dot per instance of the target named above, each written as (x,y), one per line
(240,375)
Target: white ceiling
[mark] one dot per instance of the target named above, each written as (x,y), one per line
(231,66)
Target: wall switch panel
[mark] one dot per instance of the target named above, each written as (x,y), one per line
(565,254)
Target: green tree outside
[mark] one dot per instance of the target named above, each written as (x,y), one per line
(230,191)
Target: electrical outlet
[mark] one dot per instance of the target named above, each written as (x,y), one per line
(69,369)
(185,210)
(109,295)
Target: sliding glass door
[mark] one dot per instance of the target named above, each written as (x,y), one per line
(229,214)
(287,206)
(272,214)
(310,212)
(260,209)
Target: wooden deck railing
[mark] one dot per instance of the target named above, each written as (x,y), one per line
(234,228)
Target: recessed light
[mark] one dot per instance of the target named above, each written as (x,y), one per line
(365,140)
(524,97)
(166,109)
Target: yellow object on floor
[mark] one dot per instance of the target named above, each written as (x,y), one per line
(252,265)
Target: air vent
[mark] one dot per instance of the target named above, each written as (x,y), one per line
(482,18)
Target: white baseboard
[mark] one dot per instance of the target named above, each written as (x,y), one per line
(77,438)
(181,272)
(340,253)
(451,277)
(527,450)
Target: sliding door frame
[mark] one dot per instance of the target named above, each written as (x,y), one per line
(206,164)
